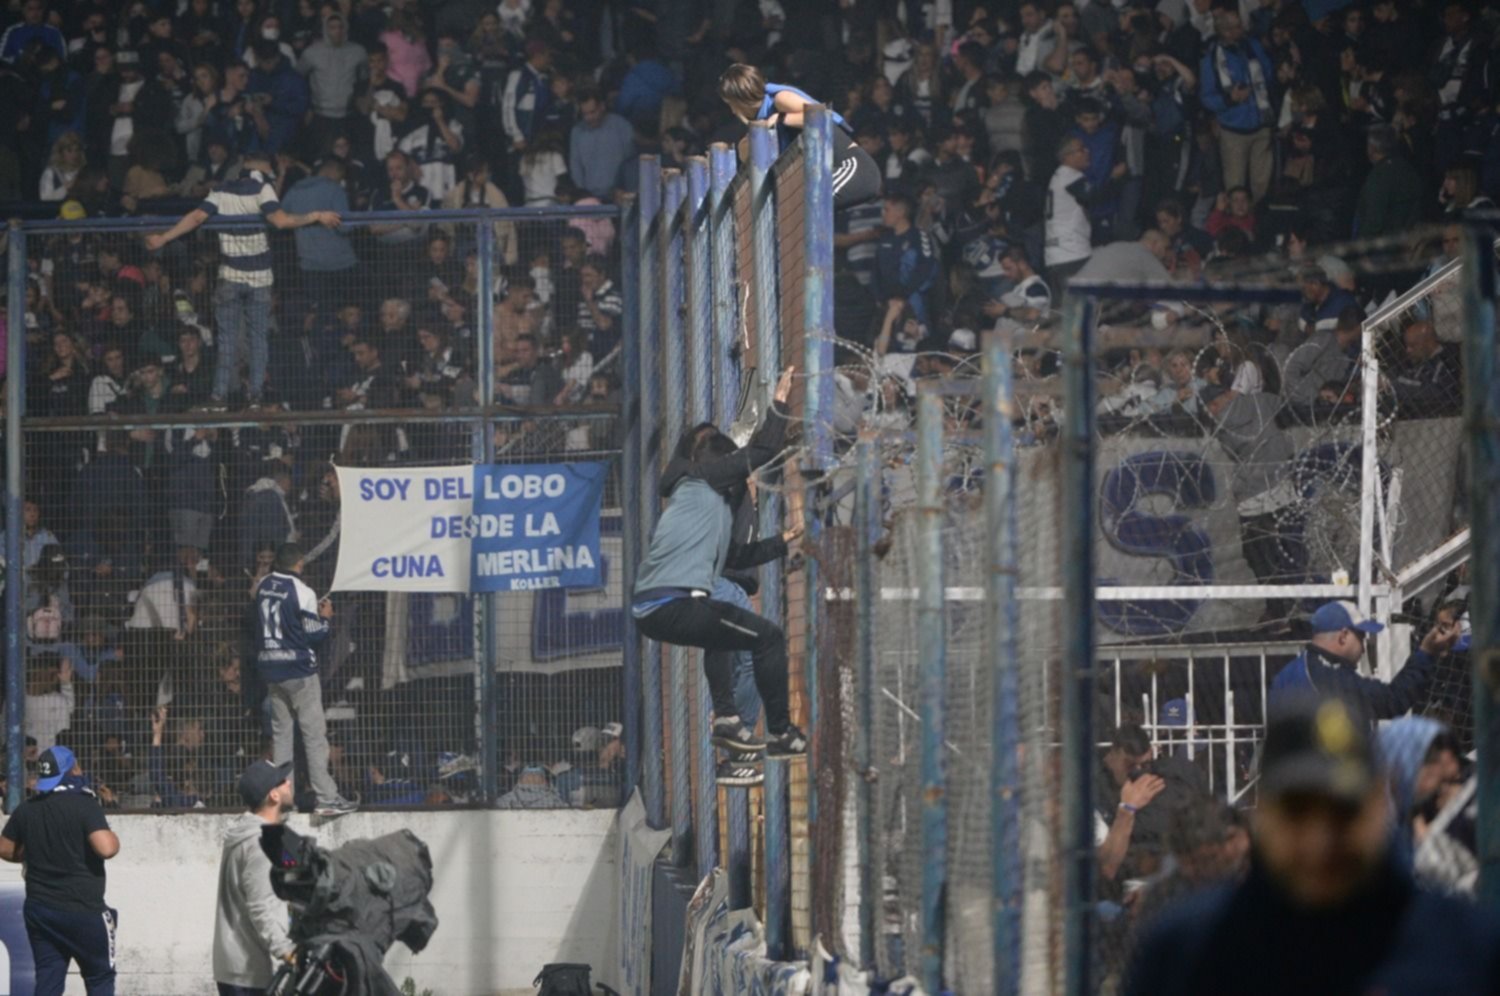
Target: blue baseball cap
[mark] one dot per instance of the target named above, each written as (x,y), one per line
(52,767)
(1342,615)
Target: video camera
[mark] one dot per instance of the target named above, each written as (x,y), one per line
(349,905)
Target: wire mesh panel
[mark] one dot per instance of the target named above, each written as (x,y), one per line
(184,420)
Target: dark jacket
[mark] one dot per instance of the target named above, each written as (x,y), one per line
(1391,199)
(1325,674)
(1433,387)
(152,108)
(1249,939)
(690,545)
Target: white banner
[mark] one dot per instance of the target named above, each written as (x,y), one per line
(388,540)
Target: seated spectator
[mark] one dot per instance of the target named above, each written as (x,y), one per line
(474,190)
(1232,210)
(63,166)
(1326,357)
(49,698)
(438,370)
(1190,246)
(434,139)
(1180,390)
(1028,301)
(542,167)
(403,192)
(600,308)
(1432,383)
(192,376)
(1322,302)
(109,384)
(576,362)
(533,790)
(515,316)
(528,379)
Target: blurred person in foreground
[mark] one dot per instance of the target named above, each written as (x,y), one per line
(250,923)
(1328,907)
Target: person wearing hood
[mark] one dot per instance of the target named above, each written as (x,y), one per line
(689,550)
(250,923)
(1328,664)
(63,839)
(1421,758)
(264,512)
(1328,907)
(332,66)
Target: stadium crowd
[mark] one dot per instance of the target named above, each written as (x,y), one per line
(1021,145)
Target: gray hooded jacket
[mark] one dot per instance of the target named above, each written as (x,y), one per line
(250,925)
(332,72)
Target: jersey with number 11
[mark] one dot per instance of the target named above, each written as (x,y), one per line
(290,628)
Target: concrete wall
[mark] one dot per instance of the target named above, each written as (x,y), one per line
(513,891)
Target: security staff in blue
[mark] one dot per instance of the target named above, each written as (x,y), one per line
(1327,665)
(856,177)
(293,624)
(63,839)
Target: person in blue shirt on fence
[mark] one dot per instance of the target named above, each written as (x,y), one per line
(1328,664)
(293,623)
(691,546)
(856,177)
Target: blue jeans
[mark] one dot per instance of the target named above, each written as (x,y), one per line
(243,313)
(60,936)
(746,698)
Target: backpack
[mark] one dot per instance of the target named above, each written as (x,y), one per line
(563,979)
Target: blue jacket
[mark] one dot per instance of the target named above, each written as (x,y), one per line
(1250,940)
(290,627)
(1318,671)
(1244,116)
(289,100)
(644,88)
(319,249)
(906,266)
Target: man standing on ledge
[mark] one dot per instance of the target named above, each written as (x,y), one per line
(293,623)
(63,839)
(242,304)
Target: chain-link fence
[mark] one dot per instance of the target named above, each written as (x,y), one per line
(182,422)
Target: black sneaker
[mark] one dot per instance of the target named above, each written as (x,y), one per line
(736,772)
(791,742)
(733,735)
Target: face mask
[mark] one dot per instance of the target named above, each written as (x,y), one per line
(270,34)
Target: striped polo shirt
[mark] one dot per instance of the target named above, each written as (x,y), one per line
(245,254)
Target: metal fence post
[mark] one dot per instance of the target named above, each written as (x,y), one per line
(726,396)
(768,363)
(489,700)
(817,411)
(1077,685)
(866,535)
(699,345)
(649,338)
(630,485)
(674,376)
(1482,427)
(1001,648)
(933,679)
(15,569)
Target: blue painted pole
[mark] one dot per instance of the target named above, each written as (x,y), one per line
(866,535)
(699,344)
(630,483)
(1482,428)
(768,364)
(932,682)
(726,376)
(726,393)
(1077,685)
(15,566)
(1002,648)
(489,699)
(674,380)
(649,337)
(817,421)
